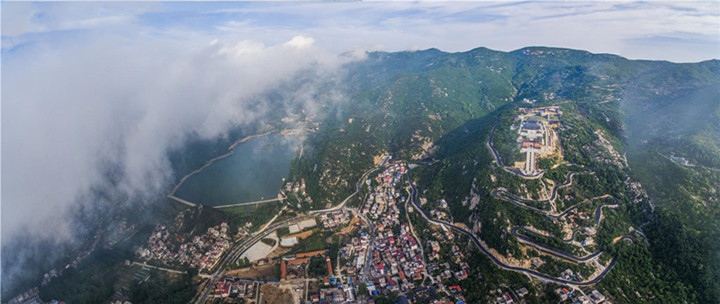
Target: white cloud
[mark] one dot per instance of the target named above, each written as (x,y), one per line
(300,42)
(90,84)
(69,110)
(20,21)
(87,82)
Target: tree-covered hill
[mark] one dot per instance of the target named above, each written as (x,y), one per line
(440,107)
(626,123)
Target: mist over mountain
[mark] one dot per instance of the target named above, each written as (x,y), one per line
(107,106)
(111,113)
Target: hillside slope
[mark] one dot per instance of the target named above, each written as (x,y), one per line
(440,107)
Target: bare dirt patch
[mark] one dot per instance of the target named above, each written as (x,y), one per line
(378,158)
(462,225)
(280,251)
(510,260)
(350,227)
(264,272)
(275,294)
(301,235)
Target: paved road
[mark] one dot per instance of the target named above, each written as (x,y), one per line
(507,196)
(179,200)
(598,213)
(598,216)
(419,241)
(551,250)
(504,194)
(501,194)
(496,261)
(234,254)
(159,268)
(252,203)
(553,196)
(512,171)
(598,210)
(371,247)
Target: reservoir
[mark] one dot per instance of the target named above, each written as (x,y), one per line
(254,171)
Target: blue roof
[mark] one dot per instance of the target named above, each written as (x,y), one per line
(532,126)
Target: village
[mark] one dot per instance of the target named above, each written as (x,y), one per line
(201,252)
(379,254)
(381,257)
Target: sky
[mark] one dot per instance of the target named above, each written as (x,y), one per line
(87,85)
(676,31)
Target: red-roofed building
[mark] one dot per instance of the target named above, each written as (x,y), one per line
(329,265)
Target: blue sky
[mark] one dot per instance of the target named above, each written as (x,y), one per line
(675,31)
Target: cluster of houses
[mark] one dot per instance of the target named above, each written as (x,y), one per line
(334,219)
(439,215)
(572,218)
(227,286)
(296,187)
(589,231)
(32,296)
(355,252)
(243,231)
(547,112)
(594,297)
(380,204)
(396,261)
(292,266)
(569,275)
(504,297)
(441,269)
(50,275)
(444,235)
(333,295)
(299,189)
(440,210)
(203,251)
(396,264)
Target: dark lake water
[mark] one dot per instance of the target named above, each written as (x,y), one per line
(253,172)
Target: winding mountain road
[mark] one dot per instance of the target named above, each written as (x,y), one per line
(498,160)
(503,194)
(500,264)
(553,196)
(554,251)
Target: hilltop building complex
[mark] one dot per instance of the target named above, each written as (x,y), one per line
(536,135)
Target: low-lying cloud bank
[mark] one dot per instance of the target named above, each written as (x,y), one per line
(71,112)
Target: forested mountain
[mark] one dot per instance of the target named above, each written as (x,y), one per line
(652,122)
(638,161)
